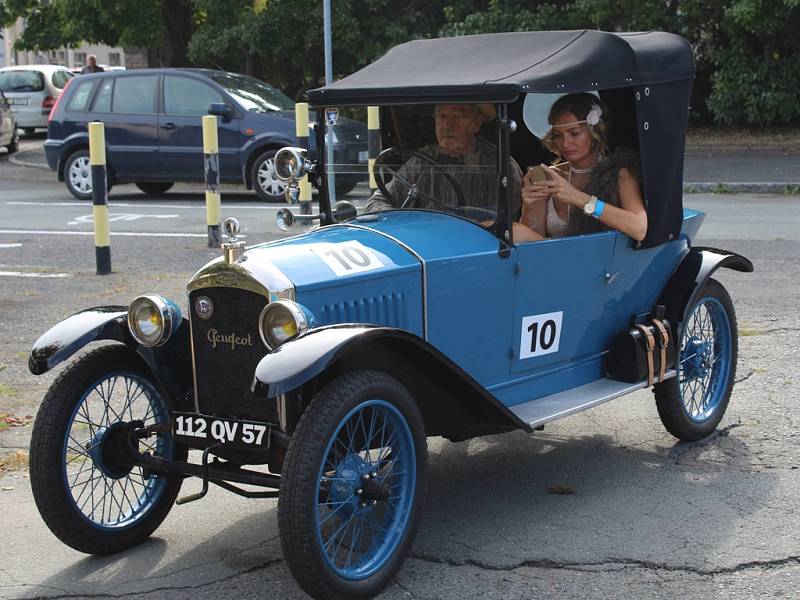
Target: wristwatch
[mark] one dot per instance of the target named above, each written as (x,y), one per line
(590,206)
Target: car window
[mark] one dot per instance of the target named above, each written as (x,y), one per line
(102,101)
(21,81)
(81,96)
(252,94)
(60,78)
(184,96)
(134,95)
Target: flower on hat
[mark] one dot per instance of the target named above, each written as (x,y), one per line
(593,118)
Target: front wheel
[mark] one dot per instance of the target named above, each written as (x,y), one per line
(85,487)
(78,175)
(265,180)
(353,485)
(692,403)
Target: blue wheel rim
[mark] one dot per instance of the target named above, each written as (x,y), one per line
(365,490)
(106,496)
(705,360)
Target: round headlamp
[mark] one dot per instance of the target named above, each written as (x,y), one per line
(153,319)
(290,163)
(281,321)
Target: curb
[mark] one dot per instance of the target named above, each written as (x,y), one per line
(15,159)
(742,187)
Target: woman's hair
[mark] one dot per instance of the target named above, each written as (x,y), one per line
(580,105)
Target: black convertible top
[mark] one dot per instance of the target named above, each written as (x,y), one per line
(498,67)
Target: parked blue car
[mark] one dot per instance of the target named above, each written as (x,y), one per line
(331,356)
(154,133)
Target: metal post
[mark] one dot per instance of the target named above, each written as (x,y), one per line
(326,14)
(373,141)
(213,200)
(97,160)
(301,129)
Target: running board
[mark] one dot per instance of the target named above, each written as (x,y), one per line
(569,402)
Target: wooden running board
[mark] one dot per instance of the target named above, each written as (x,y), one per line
(575,400)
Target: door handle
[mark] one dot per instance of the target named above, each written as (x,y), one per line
(169,125)
(610,277)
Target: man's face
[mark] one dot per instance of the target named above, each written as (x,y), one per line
(456,126)
(92,61)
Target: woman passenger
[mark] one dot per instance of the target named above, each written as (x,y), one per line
(591,190)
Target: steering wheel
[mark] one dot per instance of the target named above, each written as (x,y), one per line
(384,167)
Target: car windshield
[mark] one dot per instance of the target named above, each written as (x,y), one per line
(21,81)
(253,94)
(441,158)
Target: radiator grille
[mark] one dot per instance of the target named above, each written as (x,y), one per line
(227,349)
(386,309)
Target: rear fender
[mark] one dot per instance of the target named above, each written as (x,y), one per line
(452,403)
(170,363)
(691,275)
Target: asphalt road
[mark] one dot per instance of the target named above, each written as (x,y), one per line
(650,517)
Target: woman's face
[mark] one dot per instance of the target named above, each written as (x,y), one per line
(573,140)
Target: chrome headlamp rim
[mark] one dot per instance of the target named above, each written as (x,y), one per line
(297,313)
(285,158)
(165,311)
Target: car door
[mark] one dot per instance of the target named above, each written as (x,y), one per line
(558,329)
(127,106)
(186,101)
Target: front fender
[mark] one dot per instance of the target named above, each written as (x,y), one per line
(452,403)
(692,273)
(170,363)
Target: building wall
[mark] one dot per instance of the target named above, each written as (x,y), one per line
(68,57)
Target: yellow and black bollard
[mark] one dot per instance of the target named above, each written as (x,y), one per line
(373,141)
(213,200)
(97,160)
(301,130)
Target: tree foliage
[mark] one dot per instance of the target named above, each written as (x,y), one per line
(744,49)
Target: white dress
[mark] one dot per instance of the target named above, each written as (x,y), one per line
(556,227)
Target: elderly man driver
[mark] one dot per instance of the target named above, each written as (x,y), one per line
(468,157)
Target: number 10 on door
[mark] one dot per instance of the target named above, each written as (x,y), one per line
(540,334)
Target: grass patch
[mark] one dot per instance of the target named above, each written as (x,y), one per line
(9,391)
(793,189)
(759,370)
(14,462)
(8,421)
(745,332)
(721,188)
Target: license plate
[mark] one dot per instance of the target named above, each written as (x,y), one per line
(363,156)
(214,430)
(18,101)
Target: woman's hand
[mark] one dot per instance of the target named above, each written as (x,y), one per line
(532,192)
(560,189)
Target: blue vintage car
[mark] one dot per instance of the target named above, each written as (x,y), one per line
(327,358)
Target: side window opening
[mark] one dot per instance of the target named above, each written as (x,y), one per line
(81,96)
(102,101)
(135,95)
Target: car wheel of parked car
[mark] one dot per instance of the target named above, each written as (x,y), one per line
(28,130)
(154,187)
(353,485)
(692,403)
(14,145)
(78,175)
(264,179)
(85,487)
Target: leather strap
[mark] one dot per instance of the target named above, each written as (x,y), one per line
(664,344)
(651,346)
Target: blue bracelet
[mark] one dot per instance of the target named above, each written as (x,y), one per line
(598,208)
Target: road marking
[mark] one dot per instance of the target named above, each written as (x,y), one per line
(113,234)
(120,217)
(21,274)
(112,204)
(10,245)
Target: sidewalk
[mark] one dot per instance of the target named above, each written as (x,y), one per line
(720,169)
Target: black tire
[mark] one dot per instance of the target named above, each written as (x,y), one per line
(29,130)
(69,441)
(14,145)
(263,179)
(78,175)
(313,458)
(155,187)
(706,365)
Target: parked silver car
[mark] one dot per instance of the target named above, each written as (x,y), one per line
(32,91)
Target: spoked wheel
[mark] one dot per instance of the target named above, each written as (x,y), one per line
(85,487)
(352,486)
(692,404)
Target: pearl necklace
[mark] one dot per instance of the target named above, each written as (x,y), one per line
(585,171)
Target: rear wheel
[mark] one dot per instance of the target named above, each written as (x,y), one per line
(353,484)
(28,130)
(265,179)
(14,145)
(85,487)
(692,403)
(154,187)
(78,175)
